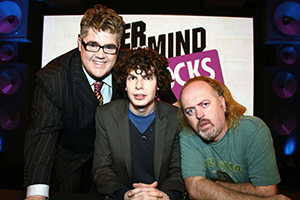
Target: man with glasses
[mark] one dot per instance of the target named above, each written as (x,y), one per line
(60,141)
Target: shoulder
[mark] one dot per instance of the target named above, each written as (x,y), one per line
(251,122)
(166,107)
(116,105)
(166,111)
(58,65)
(252,127)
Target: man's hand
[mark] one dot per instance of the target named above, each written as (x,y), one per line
(36,197)
(142,190)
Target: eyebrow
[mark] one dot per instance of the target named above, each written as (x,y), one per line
(198,104)
(192,107)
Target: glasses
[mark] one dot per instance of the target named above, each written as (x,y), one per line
(94,47)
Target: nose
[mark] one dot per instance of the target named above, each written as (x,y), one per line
(139,84)
(199,113)
(100,53)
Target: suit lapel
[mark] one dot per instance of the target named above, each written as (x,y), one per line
(115,93)
(82,86)
(125,138)
(160,130)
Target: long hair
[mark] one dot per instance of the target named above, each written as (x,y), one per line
(102,18)
(234,110)
(145,60)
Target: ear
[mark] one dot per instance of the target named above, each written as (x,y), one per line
(79,44)
(119,47)
(222,103)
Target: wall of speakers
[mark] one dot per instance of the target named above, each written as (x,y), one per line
(282,94)
(16,87)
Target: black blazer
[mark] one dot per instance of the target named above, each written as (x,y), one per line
(62,131)
(112,157)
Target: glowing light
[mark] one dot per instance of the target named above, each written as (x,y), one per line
(290,146)
(0,144)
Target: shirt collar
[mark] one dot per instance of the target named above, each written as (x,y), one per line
(107,80)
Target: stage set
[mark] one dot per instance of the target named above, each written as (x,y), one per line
(252,46)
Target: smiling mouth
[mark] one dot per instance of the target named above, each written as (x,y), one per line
(99,62)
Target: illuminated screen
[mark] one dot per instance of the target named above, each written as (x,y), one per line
(218,47)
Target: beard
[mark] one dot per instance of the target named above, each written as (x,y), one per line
(208,134)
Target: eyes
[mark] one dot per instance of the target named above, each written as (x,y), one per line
(147,78)
(192,110)
(95,47)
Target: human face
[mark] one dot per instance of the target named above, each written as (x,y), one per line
(204,110)
(98,64)
(141,91)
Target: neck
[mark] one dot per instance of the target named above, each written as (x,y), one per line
(142,110)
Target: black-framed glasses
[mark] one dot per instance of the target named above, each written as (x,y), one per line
(94,47)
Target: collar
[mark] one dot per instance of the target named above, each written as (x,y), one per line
(107,80)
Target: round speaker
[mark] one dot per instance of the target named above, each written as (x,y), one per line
(284,122)
(10,16)
(10,117)
(10,81)
(286,18)
(288,55)
(285,85)
(7,52)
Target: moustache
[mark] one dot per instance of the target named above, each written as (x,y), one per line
(203,121)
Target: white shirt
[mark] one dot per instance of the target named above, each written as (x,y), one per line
(106,91)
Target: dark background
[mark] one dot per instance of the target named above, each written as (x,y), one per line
(276,69)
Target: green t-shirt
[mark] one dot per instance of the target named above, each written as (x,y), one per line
(245,154)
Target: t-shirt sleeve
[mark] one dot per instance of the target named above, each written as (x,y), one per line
(192,161)
(262,166)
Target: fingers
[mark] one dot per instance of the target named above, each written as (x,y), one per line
(148,192)
(152,185)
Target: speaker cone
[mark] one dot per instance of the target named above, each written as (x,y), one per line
(284,122)
(10,16)
(10,82)
(284,85)
(9,117)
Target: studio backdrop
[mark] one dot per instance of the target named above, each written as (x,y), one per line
(218,47)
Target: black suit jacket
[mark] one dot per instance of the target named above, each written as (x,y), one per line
(112,157)
(62,131)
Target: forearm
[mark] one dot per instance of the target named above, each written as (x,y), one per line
(107,183)
(174,180)
(38,157)
(41,139)
(104,171)
(203,188)
(248,188)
